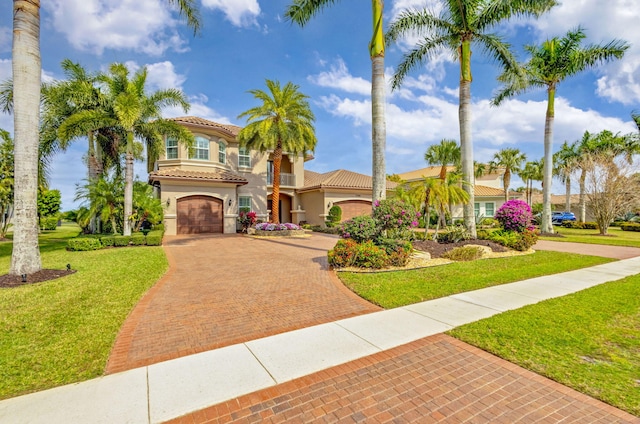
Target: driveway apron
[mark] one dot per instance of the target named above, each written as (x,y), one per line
(227,289)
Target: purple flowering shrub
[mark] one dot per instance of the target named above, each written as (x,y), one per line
(269,226)
(360,228)
(515,215)
(396,218)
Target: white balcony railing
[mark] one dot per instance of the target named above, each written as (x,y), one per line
(288,180)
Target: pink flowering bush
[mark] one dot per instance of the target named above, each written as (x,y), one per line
(247,219)
(515,215)
(396,218)
(269,226)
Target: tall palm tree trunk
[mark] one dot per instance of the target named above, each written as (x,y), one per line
(378,124)
(583,198)
(466,146)
(546,226)
(275,195)
(506,181)
(567,190)
(128,186)
(26,67)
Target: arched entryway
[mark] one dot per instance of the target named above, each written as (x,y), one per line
(200,214)
(351,208)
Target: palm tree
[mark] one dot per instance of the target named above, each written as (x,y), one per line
(551,63)
(282,123)
(564,163)
(443,154)
(103,197)
(511,160)
(136,115)
(300,12)
(461,24)
(532,171)
(26,69)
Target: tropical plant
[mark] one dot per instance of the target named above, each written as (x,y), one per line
(550,64)
(102,197)
(301,12)
(564,163)
(282,123)
(460,24)
(147,207)
(135,114)
(6,182)
(532,171)
(446,153)
(510,160)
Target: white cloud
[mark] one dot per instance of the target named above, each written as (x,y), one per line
(339,77)
(145,26)
(241,13)
(5,39)
(163,75)
(603,22)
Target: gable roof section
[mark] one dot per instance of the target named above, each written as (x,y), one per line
(484,191)
(216,175)
(430,171)
(339,179)
(194,121)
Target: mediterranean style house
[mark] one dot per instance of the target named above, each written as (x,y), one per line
(488,190)
(204,190)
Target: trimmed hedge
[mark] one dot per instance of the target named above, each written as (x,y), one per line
(120,241)
(580,225)
(154,239)
(107,241)
(81,244)
(138,240)
(630,226)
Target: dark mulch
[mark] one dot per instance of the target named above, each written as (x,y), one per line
(438,249)
(8,281)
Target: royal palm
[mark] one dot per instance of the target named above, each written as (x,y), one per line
(461,25)
(551,63)
(283,122)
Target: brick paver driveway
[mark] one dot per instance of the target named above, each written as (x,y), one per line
(227,289)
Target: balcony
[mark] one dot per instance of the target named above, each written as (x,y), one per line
(286,180)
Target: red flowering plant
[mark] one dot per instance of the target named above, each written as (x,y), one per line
(247,220)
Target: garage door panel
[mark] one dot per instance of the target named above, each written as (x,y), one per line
(199,215)
(353,208)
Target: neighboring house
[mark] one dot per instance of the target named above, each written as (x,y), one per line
(488,191)
(558,204)
(204,190)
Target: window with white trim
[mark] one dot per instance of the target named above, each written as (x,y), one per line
(244,204)
(476,209)
(244,158)
(201,149)
(222,152)
(171,148)
(489,209)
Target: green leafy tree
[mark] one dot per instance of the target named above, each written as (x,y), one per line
(551,63)
(282,122)
(301,12)
(510,160)
(49,203)
(460,25)
(446,153)
(6,182)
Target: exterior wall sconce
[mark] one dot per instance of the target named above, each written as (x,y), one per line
(168,201)
(329,205)
(230,202)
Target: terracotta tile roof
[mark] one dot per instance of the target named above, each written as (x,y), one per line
(481,190)
(218,175)
(430,171)
(340,178)
(231,130)
(556,199)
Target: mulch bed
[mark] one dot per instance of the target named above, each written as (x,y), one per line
(8,281)
(438,249)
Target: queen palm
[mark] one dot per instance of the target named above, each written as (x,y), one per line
(26,69)
(550,64)
(564,163)
(283,122)
(300,12)
(135,115)
(461,24)
(446,153)
(510,160)
(530,172)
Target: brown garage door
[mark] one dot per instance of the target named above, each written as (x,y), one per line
(199,214)
(351,208)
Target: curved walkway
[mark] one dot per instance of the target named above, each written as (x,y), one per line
(227,289)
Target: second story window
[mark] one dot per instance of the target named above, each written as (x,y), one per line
(244,159)
(172,148)
(201,149)
(222,152)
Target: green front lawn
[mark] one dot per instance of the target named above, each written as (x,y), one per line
(62,331)
(616,236)
(589,340)
(399,288)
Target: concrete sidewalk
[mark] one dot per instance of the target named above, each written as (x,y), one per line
(171,389)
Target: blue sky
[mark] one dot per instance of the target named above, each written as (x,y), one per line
(243,42)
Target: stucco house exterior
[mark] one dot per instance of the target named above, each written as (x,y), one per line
(204,190)
(488,190)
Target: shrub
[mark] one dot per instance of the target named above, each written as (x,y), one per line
(120,241)
(514,215)
(520,241)
(489,222)
(464,253)
(342,254)
(107,240)
(83,244)
(368,255)
(630,226)
(247,219)
(335,215)
(269,226)
(580,225)
(49,223)
(138,240)
(326,230)
(360,228)
(395,218)
(482,234)
(159,227)
(154,239)
(398,251)
(454,234)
